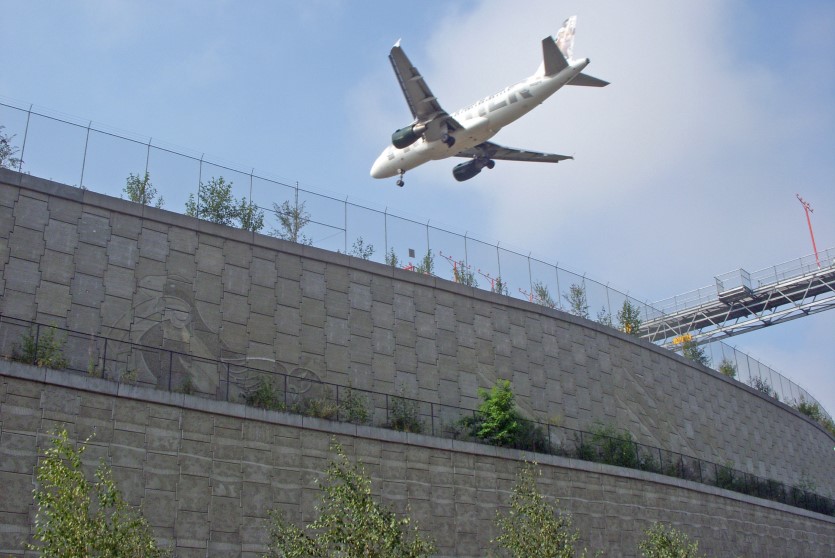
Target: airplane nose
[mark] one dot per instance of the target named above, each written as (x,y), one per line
(378,169)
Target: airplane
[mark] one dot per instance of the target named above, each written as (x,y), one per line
(436,134)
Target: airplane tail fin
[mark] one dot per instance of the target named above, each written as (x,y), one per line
(558,53)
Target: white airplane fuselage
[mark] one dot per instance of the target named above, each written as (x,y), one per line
(481,121)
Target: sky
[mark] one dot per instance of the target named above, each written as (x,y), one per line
(719,112)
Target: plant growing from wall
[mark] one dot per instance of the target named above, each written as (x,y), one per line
(610,445)
(727,368)
(216,203)
(496,421)
(79,517)
(533,526)
(761,384)
(140,190)
(362,250)
(629,318)
(541,295)
(693,352)
(499,286)
(265,395)
(350,523)
(354,408)
(292,219)
(604,317)
(8,151)
(45,350)
(404,415)
(577,301)
(663,541)
(427,264)
(808,408)
(391,258)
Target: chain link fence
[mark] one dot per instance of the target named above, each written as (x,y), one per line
(92,156)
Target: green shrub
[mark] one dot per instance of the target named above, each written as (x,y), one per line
(265,396)
(727,368)
(533,527)
(349,523)
(46,351)
(615,447)
(76,516)
(663,541)
(319,407)
(404,415)
(354,408)
(496,421)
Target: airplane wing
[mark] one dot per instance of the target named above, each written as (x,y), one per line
(489,150)
(423,104)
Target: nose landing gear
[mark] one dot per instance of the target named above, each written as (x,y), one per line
(400,182)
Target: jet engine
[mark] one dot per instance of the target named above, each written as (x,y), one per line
(465,171)
(404,137)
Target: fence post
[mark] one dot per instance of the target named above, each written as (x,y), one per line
(227,381)
(432,420)
(104,361)
(170,368)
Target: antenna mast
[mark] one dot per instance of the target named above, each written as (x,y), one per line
(809,210)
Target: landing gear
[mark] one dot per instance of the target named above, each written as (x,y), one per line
(490,164)
(400,182)
(448,140)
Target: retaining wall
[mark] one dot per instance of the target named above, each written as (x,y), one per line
(207,472)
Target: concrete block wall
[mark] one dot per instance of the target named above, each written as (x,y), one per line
(102,265)
(207,473)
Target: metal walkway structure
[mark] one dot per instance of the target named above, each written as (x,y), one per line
(739,302)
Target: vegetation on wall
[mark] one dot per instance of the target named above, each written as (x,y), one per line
(532,526)
(8,151)
(350,523)
(629,318)
(216,203)
(140,190)
(577,301)
(79,517)
(664,541)
(45,349)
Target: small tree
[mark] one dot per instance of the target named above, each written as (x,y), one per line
(541,295)
(8,152)
(692,351)
(577,301)
(532,526)
(140,190)
(350,523)
(499,286)
(762,385)
(391,258)
(463,274)
(496,421)
(362,250)
(77,517)
(216,203)
(629,318)
(427,264)
(292,219)
(604,317)
(727,368)
(662,541)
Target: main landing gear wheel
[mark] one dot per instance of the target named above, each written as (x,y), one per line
(490,164)
(448,140)
(400,179)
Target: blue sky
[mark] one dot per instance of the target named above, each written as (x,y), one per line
(686,166)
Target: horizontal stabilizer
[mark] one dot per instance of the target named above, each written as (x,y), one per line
(588,81)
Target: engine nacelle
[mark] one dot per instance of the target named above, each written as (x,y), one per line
(404,137)
(465,171)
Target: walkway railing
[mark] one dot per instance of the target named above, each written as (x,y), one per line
(68,150)
(256,382)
